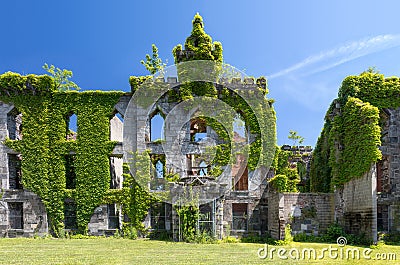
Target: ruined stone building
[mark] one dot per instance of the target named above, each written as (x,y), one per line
(77,171)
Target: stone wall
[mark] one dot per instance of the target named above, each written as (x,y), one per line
(389,181)
(34,216)
(356,205)
(308,213)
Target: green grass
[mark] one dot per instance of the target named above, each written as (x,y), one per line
(124,251)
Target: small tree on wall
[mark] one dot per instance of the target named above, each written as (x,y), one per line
(295,137)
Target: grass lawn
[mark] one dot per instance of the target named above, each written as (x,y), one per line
(124,251)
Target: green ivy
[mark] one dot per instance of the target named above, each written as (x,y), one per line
(349,141)
(44,146)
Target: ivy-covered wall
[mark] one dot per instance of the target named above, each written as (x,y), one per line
(44,146)
(349,141)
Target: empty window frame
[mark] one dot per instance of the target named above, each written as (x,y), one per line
(71,126)
(113,216)
(14,172)
(15,216)
(117,127)
(160,216)
(70,175)
(239,216)
(14,124)
(157,126)
(157,182)
(70,221)
(198,130)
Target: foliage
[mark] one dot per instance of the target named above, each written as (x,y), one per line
(295,137)
(200,43)
(137,200)
(153,63)
(338,157)
(286,177)
(188,215)
(288,237)
(14,84)
(61,78)
(44,145)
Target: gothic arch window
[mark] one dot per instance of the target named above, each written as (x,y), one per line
(157,182)
(117,127)
(14,124)
(71,126)
(157,126)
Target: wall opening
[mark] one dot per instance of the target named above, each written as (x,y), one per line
(16,215)
(206,217)
(157,126)
(239,129)
(157,182)
(113,216)
(70,215)
(72,126)
(117,127)
(202,169)
(242,181)
(14,172)
(116,171)
(70,175)
(14,124)
(239,216)
(161,216)
(198,130)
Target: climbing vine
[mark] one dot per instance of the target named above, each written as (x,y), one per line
(44,145)
(349,141)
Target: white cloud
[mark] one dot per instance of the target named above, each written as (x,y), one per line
(342,54)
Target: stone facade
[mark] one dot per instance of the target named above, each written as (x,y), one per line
(356,205)
(308,213)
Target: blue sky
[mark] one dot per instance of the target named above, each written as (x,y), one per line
(305,48)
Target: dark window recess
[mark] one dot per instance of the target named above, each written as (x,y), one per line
(206,218)
(70,176)
(14,172)
(243,182)
(70,215)
(113,216)
(239,216)
(16,218)
(14,125)
(158,217)
(114,181)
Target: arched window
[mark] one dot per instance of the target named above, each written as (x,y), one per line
(159,169)
(72,126)
(157,182)
(157,126)
(117,127)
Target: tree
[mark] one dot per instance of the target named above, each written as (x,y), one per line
(153,63)
(295,137)
(61,78)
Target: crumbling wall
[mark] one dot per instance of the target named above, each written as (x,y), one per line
(356,205)
(309,213)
